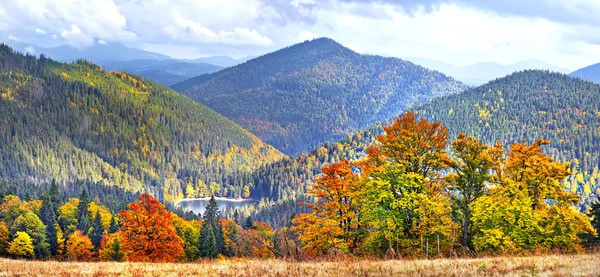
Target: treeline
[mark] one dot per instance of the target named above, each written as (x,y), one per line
(301,96)
(81,229)
(417,193)
(76,122)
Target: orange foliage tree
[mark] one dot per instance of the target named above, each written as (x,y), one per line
(79,247)
(148,233)
(333,223)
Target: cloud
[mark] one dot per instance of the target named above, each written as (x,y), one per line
(76,37)
(455,31)
(188,30)
(11,37)
(102,42)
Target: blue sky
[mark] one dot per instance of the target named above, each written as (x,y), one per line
(460,32)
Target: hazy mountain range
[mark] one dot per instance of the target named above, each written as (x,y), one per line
(483,72)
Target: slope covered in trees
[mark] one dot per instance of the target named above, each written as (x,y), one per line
(302,96)
(77,122)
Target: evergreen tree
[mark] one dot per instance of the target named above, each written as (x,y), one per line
(209,247)
(97,230)
(249,223)
(594,213)
(83,213)
(117,254)
(54,195)
(113,228)
(212,220)
(50,220)
(211,214)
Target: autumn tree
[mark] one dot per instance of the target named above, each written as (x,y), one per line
(21,246)
(472,164)
(528,208)
(147,232)
(404,194)
(110,249)
(4,239)
(333,222)
(80,247)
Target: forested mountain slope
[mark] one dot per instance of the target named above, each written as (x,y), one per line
(77,122)
(302,96)
(525,105)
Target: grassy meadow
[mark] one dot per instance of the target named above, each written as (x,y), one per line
(552,265)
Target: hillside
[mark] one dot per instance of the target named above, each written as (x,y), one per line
(590,73)
(530,104)
(301,96)
(77,122)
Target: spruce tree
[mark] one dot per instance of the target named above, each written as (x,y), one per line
(49,219)
(83,213)
(212,220)
(208,242)
(54,195)
(249,223)
(97,230)
(211,214)
(113,228)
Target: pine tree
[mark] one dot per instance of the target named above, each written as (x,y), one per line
(211,214)
(208,241)
(113,228)
(54,195)
(49,219)
(249,223)
(97,230)
(83,213)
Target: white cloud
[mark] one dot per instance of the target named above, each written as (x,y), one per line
(76,37)
(188,30)
(101,42)
(465,32)
(11,37)
(307,35)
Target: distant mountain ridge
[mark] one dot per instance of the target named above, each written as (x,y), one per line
(301,96)
(590,73)
(483,72)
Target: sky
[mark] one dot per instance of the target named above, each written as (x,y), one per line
(459,32)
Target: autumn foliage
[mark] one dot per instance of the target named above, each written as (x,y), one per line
(147,232)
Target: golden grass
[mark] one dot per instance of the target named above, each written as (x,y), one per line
(552,265)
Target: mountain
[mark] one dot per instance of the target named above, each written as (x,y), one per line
(590,73)
(77,122)
(99,51)
(483,72)
(223,61)
(166,72)
(306,94)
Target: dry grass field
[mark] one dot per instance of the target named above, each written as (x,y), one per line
(562,265)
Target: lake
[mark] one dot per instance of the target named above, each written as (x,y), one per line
(198,205)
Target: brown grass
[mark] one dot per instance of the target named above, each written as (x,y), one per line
(552,265)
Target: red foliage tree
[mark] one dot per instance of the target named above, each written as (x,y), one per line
(148,233)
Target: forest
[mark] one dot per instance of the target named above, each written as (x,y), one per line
(76,122)
(417,193)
